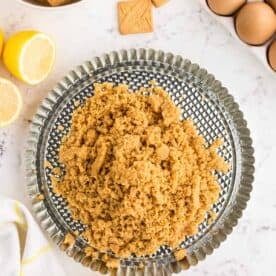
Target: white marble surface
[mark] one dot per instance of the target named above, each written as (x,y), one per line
(181,27)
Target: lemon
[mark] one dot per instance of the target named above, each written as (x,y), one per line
(29,56)
(10,102)
(1,41)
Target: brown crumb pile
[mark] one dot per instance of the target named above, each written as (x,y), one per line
(136,175)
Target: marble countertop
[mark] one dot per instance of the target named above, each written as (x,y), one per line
(184,28)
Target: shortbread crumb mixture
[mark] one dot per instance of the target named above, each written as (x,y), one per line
(136,175)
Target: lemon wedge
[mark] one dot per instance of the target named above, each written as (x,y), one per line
(29,56)
(1,41)
(10,102)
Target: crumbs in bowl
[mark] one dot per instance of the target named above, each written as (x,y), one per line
(136,175)
(55,3)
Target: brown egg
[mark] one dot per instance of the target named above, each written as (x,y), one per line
(256,23)
(225,7)
(271,55)
(272,3)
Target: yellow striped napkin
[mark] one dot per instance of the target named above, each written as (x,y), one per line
(24,251)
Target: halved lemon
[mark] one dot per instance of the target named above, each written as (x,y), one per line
(29,56)
(10,102)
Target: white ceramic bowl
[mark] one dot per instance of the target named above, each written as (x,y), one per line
(36,4)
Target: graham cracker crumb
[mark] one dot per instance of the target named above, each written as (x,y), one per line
(76,103)
(180,254)
(137,175)
(57,171)
(76,233)
(153,82)
(40,197)
(60,127)
(69,240)
(47,164)
(212,216)
(92,252)
(111,262)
